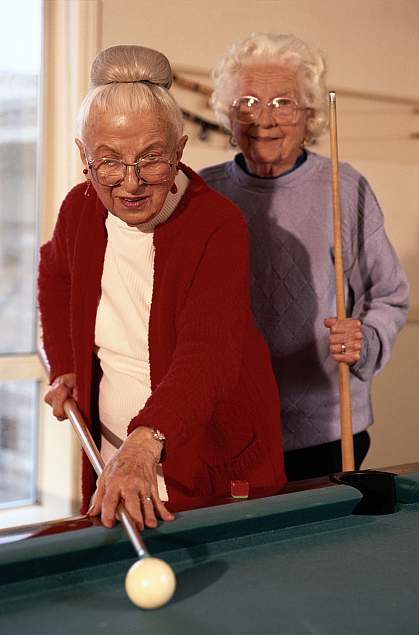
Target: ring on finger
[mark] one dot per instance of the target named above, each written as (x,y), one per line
(146,499)
(342,349)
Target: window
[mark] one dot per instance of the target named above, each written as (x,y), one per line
(18,442)
(39,163)
(20,63)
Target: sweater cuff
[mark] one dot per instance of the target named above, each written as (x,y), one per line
(170,424)
(370,351)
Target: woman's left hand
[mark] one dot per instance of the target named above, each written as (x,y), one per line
(345,339)
(130,477)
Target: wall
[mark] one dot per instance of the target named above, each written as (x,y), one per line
(370,46)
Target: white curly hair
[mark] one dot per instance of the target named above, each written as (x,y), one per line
(284,50)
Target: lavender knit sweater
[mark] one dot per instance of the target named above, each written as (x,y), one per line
(293,287)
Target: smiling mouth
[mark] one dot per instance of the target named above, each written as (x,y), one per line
(133,202)
(265,138)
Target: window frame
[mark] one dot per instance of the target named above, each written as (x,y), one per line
(70,41)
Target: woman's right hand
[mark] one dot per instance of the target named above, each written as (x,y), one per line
(130,477)
(62,388)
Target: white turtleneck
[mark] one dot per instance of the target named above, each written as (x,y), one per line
(122,320)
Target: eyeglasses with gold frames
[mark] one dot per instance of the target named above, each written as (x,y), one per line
(248,109)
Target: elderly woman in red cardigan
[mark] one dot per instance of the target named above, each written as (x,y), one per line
(143,294)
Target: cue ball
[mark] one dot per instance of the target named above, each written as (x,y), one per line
(150,583)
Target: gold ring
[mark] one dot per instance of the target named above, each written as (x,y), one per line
(146,499)
(342,349)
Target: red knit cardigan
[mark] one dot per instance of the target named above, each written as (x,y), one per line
(213,391)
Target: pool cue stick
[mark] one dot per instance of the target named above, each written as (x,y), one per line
(96,460)
(190,84)
(93,454)
(347,443)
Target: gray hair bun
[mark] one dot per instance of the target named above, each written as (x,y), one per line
(131,63)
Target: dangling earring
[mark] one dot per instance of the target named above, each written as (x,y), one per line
(89,183)
(173,189)
(87,190)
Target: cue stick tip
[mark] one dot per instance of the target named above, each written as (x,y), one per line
(332,96)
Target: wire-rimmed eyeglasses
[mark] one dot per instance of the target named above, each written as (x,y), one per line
(111,172)
(248,109)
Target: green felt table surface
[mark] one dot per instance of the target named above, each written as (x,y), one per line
(297,563)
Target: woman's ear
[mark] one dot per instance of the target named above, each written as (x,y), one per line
(307,131)
(80,146)
(180,148)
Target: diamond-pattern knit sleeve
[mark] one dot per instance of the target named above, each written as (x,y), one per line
(378,283)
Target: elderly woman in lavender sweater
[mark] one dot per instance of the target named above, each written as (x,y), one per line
(270,92)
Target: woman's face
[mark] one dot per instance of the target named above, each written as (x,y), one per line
(131,137)
(268,147)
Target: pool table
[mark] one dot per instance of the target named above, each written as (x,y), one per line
(298,563)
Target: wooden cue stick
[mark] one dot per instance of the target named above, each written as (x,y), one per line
(347,443)
(196,87)
(96,460)
(93,454)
